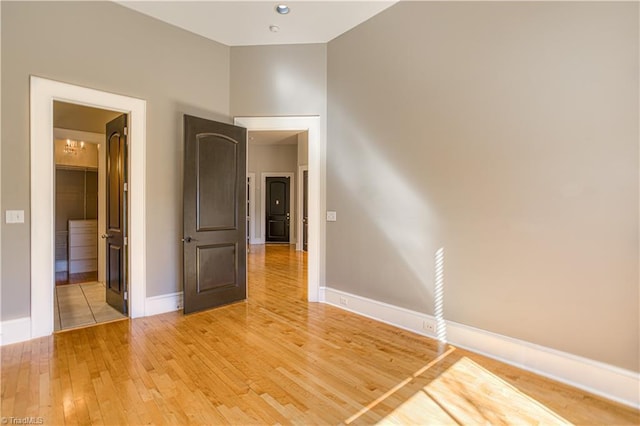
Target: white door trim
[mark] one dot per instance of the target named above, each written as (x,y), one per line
(299,224)
(317,187)
(43,93)
(263,202)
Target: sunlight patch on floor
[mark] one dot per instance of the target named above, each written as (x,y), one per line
(399,386)
(463,393)
(478,394)
(470,394)
(412,412)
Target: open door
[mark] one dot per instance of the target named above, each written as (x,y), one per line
(215,200)
(116,217)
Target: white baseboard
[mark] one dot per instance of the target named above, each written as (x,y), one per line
(19,330)
(602,379)
(163,303)
(14,331)
(256,241)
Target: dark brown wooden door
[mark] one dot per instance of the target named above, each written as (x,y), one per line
(277,209)
(215,200)
(305,210)
(116,220)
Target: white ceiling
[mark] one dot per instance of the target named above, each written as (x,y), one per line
(246,23)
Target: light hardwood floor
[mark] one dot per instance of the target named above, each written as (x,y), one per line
(276,359)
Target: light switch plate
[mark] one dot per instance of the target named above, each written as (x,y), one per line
(14,216)
(331,216)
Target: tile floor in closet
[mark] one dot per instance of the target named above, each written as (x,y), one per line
(82,304)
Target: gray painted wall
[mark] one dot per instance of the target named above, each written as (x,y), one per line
(273,158)
(507,134)
(279,80)
(105,46)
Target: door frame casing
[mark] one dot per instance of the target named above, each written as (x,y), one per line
(263,202)
(299,224)
(251,208)
(317,188)
(43,93)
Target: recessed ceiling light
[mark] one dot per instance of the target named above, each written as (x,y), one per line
(282,9)
(274,28)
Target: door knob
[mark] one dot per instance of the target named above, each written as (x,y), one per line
(106,236)
(187,239)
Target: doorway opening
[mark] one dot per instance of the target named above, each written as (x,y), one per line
(81,182)
(273,158)
(315,155)
(43,94)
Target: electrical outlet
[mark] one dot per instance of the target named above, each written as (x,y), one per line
(344,301)
(429,325)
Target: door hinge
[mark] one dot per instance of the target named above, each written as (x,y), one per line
(126,186)
(126,131)
(126,241)
(126,295)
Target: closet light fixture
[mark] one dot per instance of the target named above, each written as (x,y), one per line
(72,147)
